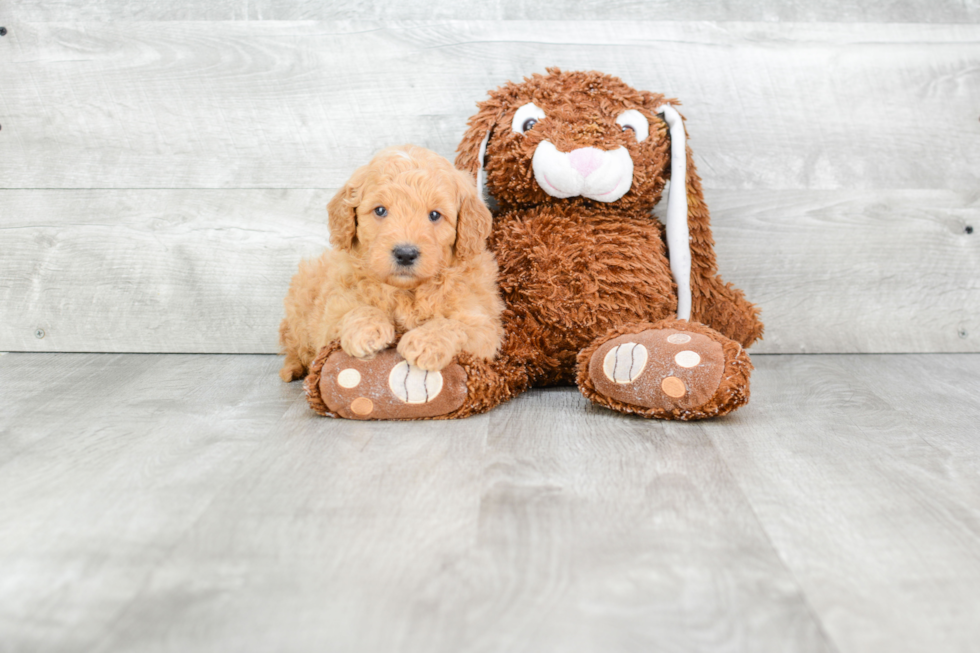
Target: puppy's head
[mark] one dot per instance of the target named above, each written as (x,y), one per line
(408,214)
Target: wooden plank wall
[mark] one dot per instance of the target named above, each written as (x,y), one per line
(164,166)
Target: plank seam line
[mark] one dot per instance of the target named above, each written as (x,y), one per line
(772,546)
(151,572)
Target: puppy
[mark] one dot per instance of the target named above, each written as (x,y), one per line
(409,257)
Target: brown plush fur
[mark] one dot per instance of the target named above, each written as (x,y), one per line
(575,272)
(581,110)
(356,295)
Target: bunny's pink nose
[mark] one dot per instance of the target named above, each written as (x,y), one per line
(585,160)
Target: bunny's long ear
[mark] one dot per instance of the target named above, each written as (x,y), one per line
(678,233)
(472,150)
(701,295)
(481,176)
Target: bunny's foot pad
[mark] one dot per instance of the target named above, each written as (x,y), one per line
(674,370)
(384,387)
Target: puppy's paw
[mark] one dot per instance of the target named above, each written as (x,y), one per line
(291,370)
(366,340)
(428,349)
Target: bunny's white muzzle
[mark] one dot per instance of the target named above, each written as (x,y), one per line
(600,175)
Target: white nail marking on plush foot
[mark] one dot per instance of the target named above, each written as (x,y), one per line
(687,358)
(678,338)
(414,385)
(349,378)
(625,362)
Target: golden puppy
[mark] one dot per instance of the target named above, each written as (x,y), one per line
(408,232)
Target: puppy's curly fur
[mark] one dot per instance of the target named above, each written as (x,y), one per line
(444,303)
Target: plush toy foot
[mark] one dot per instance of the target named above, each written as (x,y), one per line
(669,370)
(385,387)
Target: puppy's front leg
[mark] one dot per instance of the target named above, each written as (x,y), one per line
(365,331)
(433,345)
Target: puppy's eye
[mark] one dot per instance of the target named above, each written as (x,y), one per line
(434,216)
(636,123)
(381,211)
(526,117)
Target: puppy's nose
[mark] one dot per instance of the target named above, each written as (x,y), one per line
(405,255)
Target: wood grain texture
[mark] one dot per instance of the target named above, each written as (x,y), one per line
(270,104)
(153,271)
(221,521)
(891,11)
(865,472)
(855,271)
(114,468)
(194,503)
(206,271)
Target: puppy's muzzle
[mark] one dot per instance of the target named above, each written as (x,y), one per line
(405,255)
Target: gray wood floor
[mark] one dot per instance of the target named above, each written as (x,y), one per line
(193,503)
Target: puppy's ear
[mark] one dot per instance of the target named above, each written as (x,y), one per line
(342,211)
(473,219)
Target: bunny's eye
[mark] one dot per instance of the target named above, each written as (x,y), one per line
(381,211)
(635,122)
(526,117)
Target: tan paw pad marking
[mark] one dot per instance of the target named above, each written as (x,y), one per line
(673,387)
(625,362)
(687,358)
(678,338)
(414,385)
(349,378)
(362,406)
